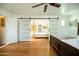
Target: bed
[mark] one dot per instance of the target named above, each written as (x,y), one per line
(43,34)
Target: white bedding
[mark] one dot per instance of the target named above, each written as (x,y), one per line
(41,34)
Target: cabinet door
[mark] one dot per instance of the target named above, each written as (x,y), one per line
(55,43)
(24,30)
(67,50)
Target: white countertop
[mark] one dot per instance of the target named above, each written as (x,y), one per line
(73,42)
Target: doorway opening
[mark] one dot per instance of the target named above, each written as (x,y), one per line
(39,29)
(30,29)
(2,31)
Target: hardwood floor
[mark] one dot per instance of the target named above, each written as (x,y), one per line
(38,47)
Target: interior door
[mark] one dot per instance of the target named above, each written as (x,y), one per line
(54,25)
(24,30)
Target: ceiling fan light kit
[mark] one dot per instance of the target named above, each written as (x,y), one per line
(57,5)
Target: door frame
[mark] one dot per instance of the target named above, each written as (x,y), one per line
(48,28)
(17,30)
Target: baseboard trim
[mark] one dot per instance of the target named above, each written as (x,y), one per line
(3,46)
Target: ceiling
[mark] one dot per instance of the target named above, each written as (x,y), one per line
(26,9)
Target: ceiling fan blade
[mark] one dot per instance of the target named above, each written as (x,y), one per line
(45,8)
(37,5)
(55,4)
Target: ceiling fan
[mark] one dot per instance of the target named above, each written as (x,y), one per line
(46,4)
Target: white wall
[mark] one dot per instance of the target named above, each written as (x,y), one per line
(63,31)
(67,30)
(11,27)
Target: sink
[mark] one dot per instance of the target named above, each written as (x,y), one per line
(69,37)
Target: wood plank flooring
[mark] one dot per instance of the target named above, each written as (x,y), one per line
(38,47)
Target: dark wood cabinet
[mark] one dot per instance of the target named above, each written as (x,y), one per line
(54,43)
(62,48)
(78,29)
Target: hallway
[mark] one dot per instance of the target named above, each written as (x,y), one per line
(38,47)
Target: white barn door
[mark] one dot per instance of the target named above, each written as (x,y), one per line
(24,30)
